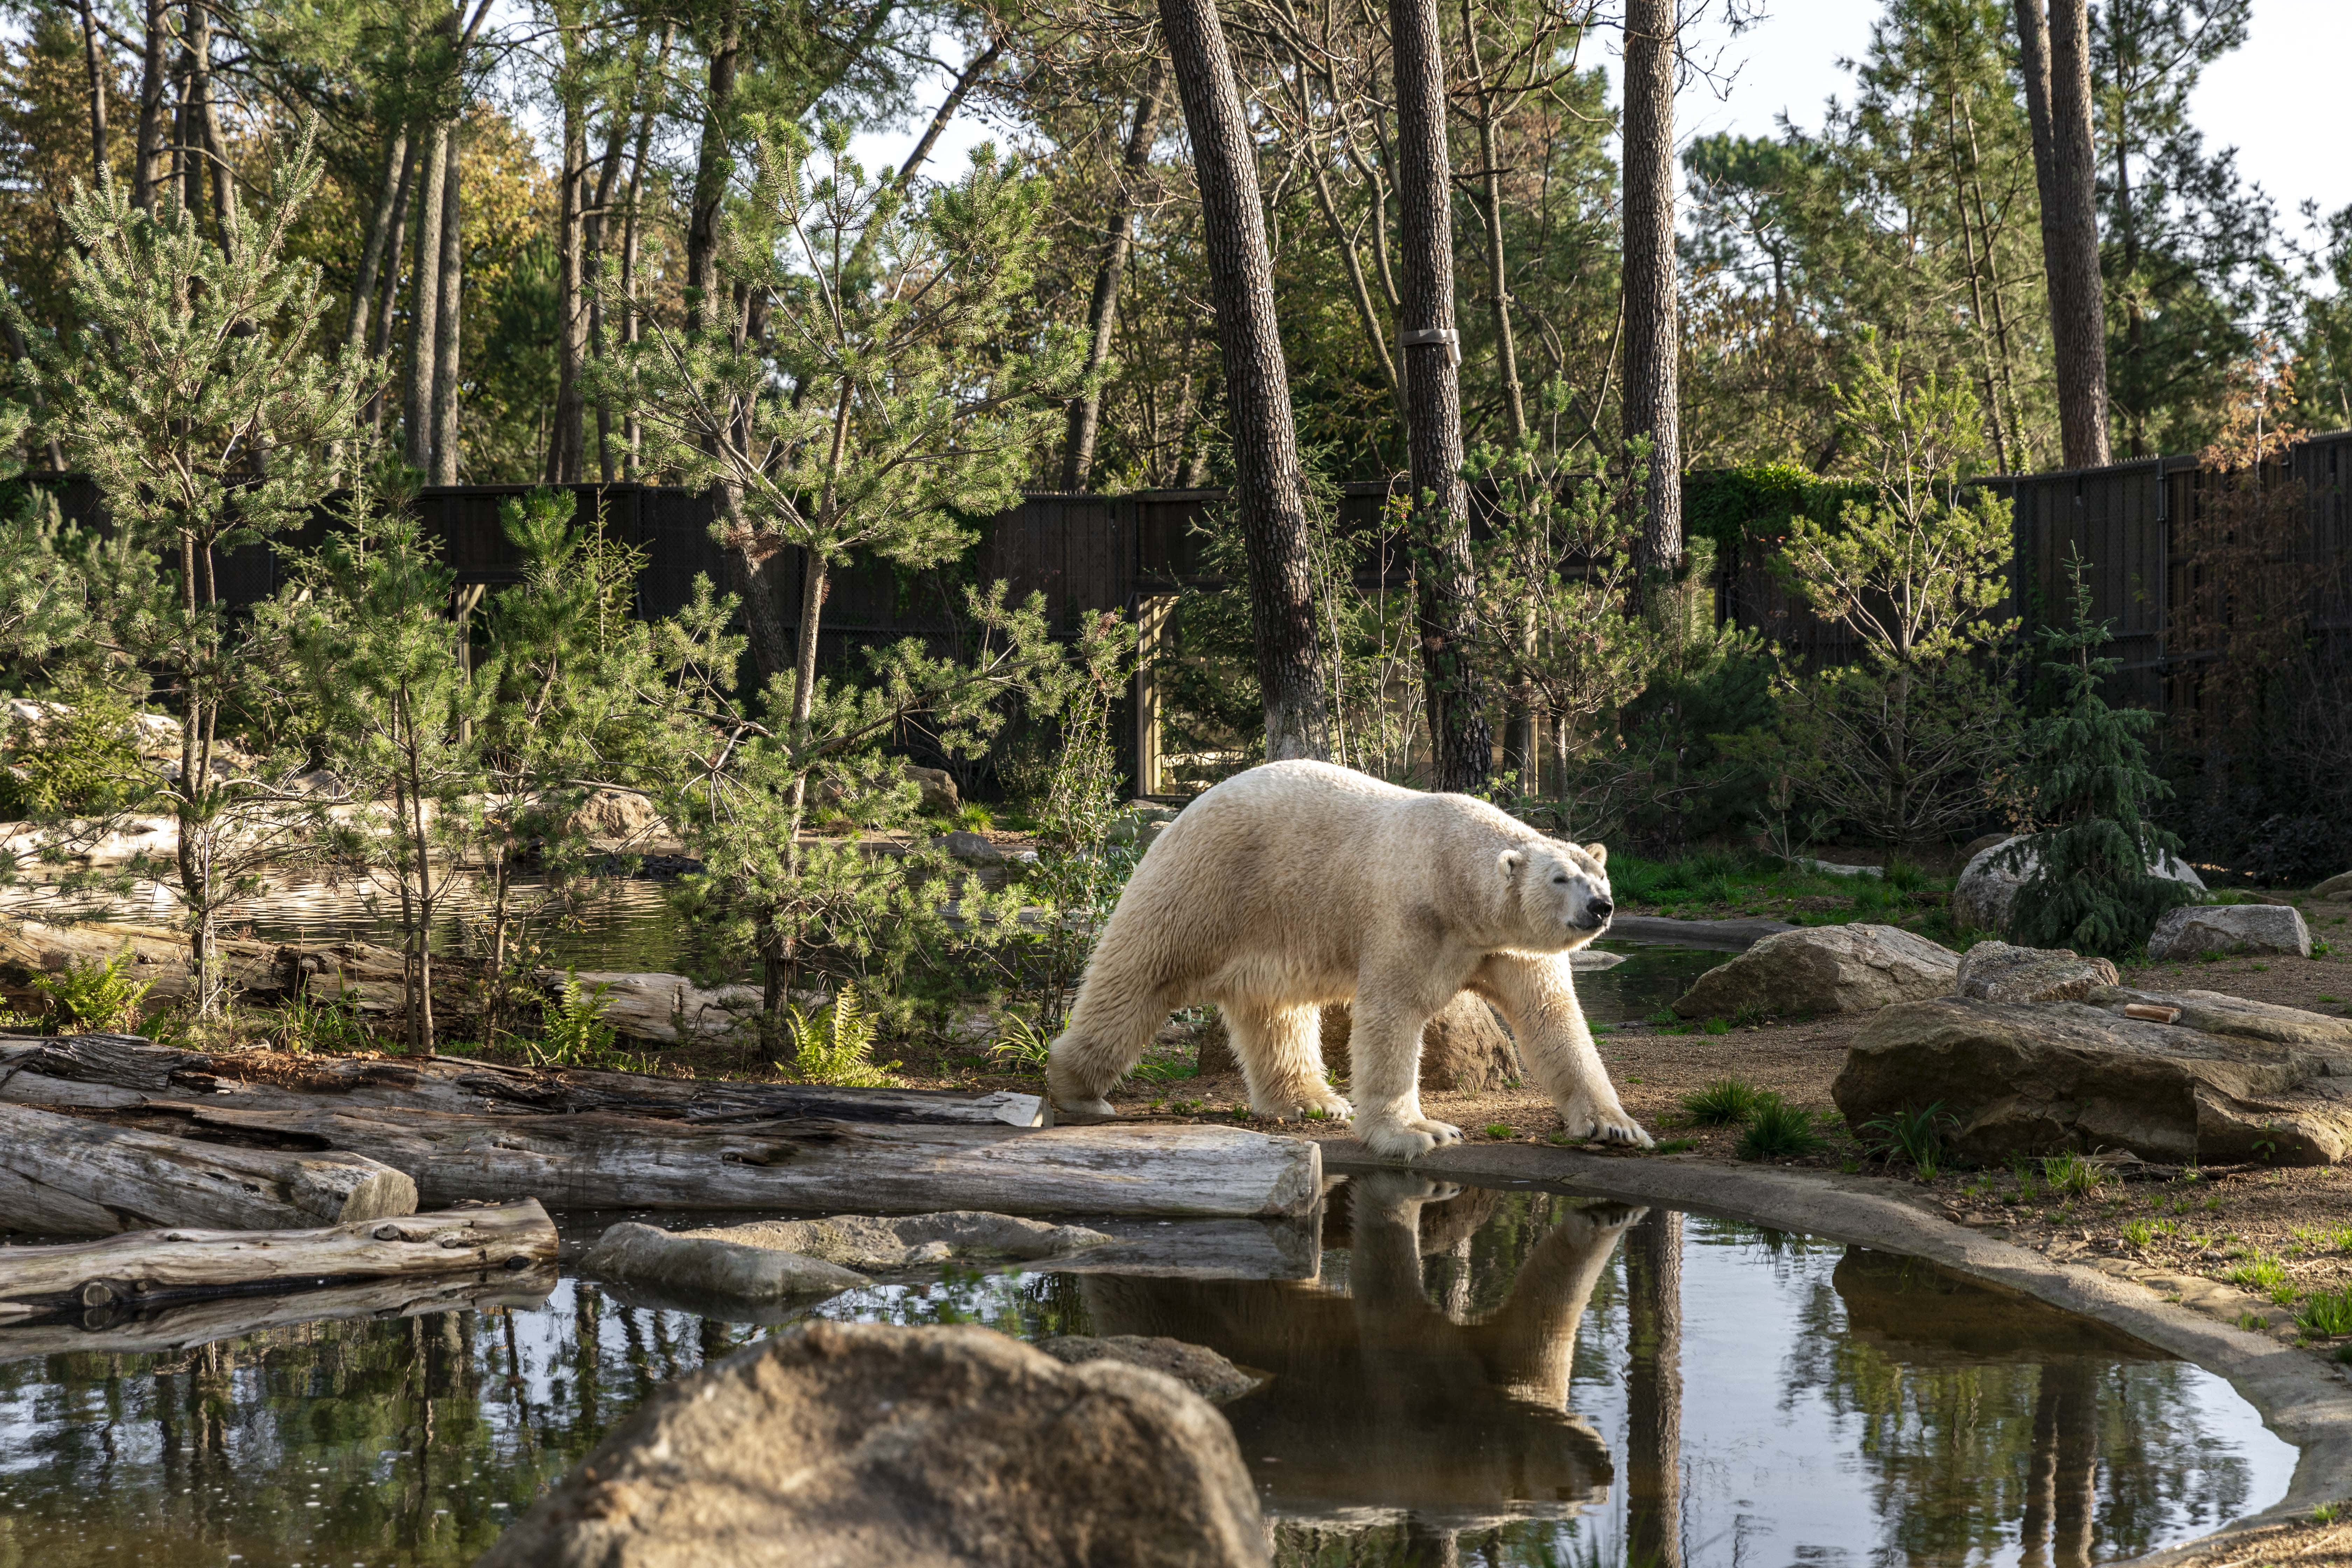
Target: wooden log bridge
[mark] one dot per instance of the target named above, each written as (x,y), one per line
(483,1245)
(63,1175)
(465,1131)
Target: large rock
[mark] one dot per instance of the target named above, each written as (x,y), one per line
(2195,930)
(1986,890)
(1825,968)
(2339,886)
(2226,1080)
(972,849)
(1463,1051)
(861,1446)
(1996,972)
(939,788)
(611,813)
(1197,1367)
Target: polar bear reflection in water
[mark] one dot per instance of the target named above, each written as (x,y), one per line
(1383,1402)
(1298,885)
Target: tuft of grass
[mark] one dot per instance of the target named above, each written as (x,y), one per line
(305,1025)
(93,998)
(2073,1174)
(2261,1275)
(2253,1322)
(1501,1130)
(836,1045)
(1716,1026)
(1777,1131)
(2328,1513)
(1748,1014)
(1726,1103)
(2327,1312)
(1675,1145)
(974,817)
(1916,1135)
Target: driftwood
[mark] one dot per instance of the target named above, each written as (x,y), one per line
(598,1161)
(63,1175)
(137,1328)
(155,1267)
(120,1072)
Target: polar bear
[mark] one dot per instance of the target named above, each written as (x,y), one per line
(1299,884)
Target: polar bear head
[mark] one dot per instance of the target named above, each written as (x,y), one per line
(1560,893)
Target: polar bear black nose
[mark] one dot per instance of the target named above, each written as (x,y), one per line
(1600,908)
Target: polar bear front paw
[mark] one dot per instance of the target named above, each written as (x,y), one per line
(1085,1109)
(1407,1140)
(1619,1131)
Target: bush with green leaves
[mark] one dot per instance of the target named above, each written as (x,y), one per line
(2087,767)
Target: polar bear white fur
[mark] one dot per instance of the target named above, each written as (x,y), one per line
(1297,885)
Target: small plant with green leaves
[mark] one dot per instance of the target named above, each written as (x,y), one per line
(1726,1103)
(93,997)
(1916,1135)
(574,1032)
(2326,1313)
(308,1025)
(2327,1512)
(1716,1026)
(2258,1274)
(1020,1046)
(1777,1131)
(2075,1174)
(1501,1130)
(836,1045)
(974,817)
(2253,1322)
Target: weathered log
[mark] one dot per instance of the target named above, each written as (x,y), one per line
(173,1327)
(600,1162)
(111,1072)
(75,1176)
(368,976)
(156,1267)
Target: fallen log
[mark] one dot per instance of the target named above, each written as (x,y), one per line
(155,1267)
(117,1072)
(602,1162)
(64,1175)
(169,1328)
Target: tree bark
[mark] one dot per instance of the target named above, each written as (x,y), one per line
(1652,338)
(424,317)
(1269,492)
(101,175)
(449,320)
(395,162)
(153,79)
(567,450)
(712,164)
(395,254)
(1102,315)
(1462,741)
(1654,1391)
(2054,52)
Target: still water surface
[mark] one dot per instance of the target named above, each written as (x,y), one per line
(1505,1377)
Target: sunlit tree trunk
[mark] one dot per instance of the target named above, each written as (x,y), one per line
(146,168)
(1652,338)
(1102,316)
(425,315)
(2054,55)
(1653,1391)
(449,320)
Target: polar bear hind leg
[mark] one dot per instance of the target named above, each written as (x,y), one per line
(1385,1071)
(1537,993)
(1281,1052)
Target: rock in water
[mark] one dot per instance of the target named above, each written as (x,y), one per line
(1985,891)
(862,1445)
(1825,968)
(632,1254)
(2227,1080)
(2193,931)
(1996,972)
(1197,1367)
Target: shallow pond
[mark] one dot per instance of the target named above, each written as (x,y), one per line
(1516,1377)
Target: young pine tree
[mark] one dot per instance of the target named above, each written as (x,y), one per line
(2088,764)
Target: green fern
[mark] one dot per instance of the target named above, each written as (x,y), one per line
(832,1046)
(573,1034)
(93,997)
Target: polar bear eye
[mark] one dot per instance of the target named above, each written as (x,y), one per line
(1560,881)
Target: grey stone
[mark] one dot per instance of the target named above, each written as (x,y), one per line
(939,788)
(613,813)
(1986,890)
(1197,1367)
(2195,930)
(1825,968)
(636,1254)
(972,849)
(1996,972)
(2031,1079)
(863,1445)
(868,1242)
(2336,887)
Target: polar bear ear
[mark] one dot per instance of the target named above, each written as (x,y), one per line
(1510,860)
(1599,853)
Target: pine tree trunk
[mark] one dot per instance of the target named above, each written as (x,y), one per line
(146,169)
(1269,494)
(1462,742)
(101,174)
(1654,1391)
(424,317)
(449,321)
(712,164)
(1102,317)
(566,452)
(2055,53)
(395,254)
(395,159)
(1653,339)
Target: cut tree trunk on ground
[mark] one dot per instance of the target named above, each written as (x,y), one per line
(158,1267)
(134,1328)
(595,1161)
(368,976)
(64,1175)
(122,1072)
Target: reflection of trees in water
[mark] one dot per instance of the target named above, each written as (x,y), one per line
(1985,1418)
